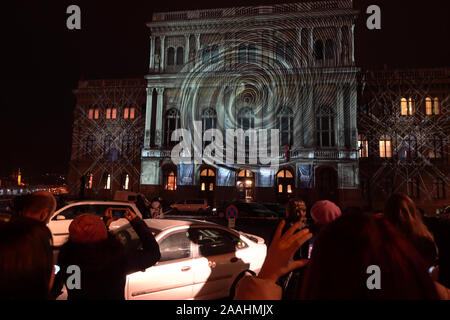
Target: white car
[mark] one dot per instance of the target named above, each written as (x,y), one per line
(199,260)
(199,206)
(61,219)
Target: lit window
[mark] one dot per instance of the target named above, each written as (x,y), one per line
(407,106)
(126,113)
(96,113)
(436,105)
(203,186)
(126,183)
(108,113)
(436,148)
(428,106)
(285,180)
(280,188)
(108,182)
(363,146)
(132,111)
(385,147)
(289,188)
(90,181)
(114,113)
(211,186)
(91,113)
(170,181)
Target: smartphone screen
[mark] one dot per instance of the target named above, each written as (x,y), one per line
(117,214)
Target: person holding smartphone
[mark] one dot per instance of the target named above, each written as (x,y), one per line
(103,261)
(156,211)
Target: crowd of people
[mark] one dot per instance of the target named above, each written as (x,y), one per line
(321,253)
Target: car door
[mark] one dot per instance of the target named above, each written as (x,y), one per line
(216,263)
(171,278)
(59,224)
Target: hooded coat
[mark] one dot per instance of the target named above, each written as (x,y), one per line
(104,265)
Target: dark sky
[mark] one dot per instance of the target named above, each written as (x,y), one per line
(44,61)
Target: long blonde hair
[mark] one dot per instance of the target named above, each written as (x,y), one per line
(402,212)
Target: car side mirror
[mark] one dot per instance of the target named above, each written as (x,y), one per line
(60,217)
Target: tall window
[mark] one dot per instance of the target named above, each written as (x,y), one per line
(436,105)
(108,181)
(214,53)
(170,56)
(251,53)
(242,53)
(111,113)
(170,180)
(180,57)
(318,50)
(209,119)
(91,113)
(246,119)
(207,180)
(89,147)
(410,148)
(108,145)
(129,112)
(329,49)
(363,146)
(385,147)
(285,181)
(90,181)
(439,188)
(286,126)
(428,106)
(172,123)
(95,112)
(126,182)
(127,146)
(413,187)
(325,135)
(284,51)
(206,55)
(407,106)
(436,148)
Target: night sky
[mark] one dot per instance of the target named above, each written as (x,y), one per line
(44,60)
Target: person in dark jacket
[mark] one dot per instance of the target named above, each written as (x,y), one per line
(103,261)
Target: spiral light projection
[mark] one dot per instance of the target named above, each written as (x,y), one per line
(264,80)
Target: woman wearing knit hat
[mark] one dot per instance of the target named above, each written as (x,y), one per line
(103,261)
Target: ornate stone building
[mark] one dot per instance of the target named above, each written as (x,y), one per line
(108,134)
(289,67)
(403,126)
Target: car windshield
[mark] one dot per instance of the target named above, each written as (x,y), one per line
(129,238)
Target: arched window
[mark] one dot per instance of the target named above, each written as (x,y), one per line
(127,146)
(285,181)
(245,184)
(96,112)
(428,106)
(209,119)
(413,187)
(126,181)
(242,53)
(286,126)
(89,146)
(407,106)
(108,145)
(215,53)
(363,146)
(329,49)
(325,134)
(318,50)
(170,56)
(107,185)
(170,180)
(436,148)
(436,105)
(385,147)
(172,123)
(91,113)
(439,188)
(246,119)
(207,180)
(251,53)
(180,55)
(111,113)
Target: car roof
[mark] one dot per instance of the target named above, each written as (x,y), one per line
(163,224)
(99,202)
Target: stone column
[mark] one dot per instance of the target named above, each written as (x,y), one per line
(152,52)
(339,45)
(340,116)
(186,48)
(311,47)
(308,116)
(163,54)
(159,118)
(148,118)
(199,56)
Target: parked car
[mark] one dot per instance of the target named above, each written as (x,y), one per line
(61,219)
(199,206)
(279,209)
(246,209)
(199,260)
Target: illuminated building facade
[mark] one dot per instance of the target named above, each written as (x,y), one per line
(107,138)
(403,126)
(288,67)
